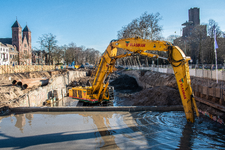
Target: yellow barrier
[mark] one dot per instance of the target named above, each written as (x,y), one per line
(5,69)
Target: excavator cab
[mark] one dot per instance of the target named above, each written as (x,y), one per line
(85,94)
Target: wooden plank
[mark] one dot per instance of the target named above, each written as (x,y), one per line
(210,103)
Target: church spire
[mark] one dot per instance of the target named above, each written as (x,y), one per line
(16,24)
(26,29)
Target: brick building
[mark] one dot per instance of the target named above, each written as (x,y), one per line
(21,42)
(40,57)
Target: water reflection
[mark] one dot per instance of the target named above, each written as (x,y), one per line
(186,140)
(29,116)
(102,123)
(113,130)
(20,121)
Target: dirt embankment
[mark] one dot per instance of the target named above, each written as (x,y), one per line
(9,92)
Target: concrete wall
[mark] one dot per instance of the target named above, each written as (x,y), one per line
(210,74)
(37,97)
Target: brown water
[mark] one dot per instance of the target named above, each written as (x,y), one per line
(109,130)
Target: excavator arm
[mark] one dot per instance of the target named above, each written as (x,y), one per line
(176,57)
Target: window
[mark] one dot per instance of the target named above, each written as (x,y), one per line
(10,56)
(25,45)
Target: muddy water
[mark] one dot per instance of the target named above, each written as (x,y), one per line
(109,130)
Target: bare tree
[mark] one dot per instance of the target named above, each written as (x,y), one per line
(209,44)
(48,43)
(70,53)
(196,40)
(171,38)
(81,54)
(57,54)
(146,27)
(214,25)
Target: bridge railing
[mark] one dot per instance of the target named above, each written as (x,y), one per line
(203,73)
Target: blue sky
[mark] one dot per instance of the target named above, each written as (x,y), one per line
(94,23)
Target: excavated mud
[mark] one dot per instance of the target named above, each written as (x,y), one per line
(131,94)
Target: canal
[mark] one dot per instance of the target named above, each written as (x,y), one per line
(109,130)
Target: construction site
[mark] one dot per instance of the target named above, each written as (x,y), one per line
(132,88)
(117,101)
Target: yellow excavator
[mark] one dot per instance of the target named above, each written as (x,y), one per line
(100,92)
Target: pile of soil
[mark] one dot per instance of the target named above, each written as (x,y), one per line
(129,93)
(157,96)
(157,79)
(125,84)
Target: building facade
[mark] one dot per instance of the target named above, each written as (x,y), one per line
(4,54)
(40,57)
(13,54)
(21,39)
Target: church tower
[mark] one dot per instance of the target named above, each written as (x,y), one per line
(27,34)
(17,35)
(27,44)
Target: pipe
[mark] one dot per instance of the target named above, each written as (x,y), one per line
(29,83)
(14,82)
(35,83)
